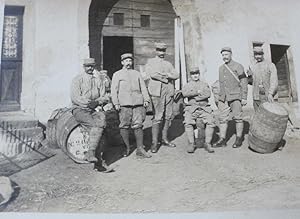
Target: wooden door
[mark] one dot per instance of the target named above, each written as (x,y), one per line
(11,59)
(113,48)
(279,58)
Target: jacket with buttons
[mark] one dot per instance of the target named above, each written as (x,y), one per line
(86,88)
(128,88)
(230,88)
(160,72)
(197,93)
(264,74)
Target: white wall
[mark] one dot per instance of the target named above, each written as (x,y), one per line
(56,41)
(237,23)
(2,3)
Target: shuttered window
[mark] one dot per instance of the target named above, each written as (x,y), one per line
(145,20)
(119,19)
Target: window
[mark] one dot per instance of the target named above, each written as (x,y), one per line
(145,20)
(119,19)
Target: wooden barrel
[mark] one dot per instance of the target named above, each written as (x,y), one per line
(51,127)
(72,138)
(267,128)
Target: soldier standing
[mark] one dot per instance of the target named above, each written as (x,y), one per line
(233,91)
(198,112)
(88,95)
(161,89)
(265,81)
(130,98)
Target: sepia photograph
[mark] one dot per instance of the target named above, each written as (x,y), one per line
(150,108)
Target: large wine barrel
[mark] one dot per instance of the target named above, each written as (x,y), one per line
(267,128)
(51,127)
(72,138)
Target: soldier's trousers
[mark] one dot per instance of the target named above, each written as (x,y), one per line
(94,122)
(132,117)
(236,112)
(162,108)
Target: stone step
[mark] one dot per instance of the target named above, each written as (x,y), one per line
(17,120)
(14,143)
(34,133)
(21,124)
(19,133)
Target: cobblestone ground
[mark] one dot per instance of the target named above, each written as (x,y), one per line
(171,181)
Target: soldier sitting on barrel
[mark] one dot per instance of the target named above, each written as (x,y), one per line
(198,112)
(88,95)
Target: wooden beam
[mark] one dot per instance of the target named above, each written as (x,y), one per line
(182,56)
(177,53)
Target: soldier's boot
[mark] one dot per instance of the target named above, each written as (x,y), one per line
(106,167)
(221,142)
(189,130)
(239,132)
(139,137)
(94,139)
(201,134)
(209,131)
(101,166)
(125,136)
(155,132)
(165,140)
(90,156)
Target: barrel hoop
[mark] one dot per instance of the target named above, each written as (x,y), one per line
(271,115)
(51,133)
(256,145)
(261,133)
(273,122)
(266,125)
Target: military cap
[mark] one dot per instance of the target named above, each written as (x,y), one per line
(126,56)
(258,50)
(162,46)
(228,49)
(89,61)
(195,70)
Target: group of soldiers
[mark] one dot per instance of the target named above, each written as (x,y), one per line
(91,92)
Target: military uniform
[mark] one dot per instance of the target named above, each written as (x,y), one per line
(161,89)
(129,91)
(233,89)
(265,80)
(198,112)
(222,114)
(88,96)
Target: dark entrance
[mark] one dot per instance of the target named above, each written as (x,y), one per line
(113,48)
(280,59)
(11,59)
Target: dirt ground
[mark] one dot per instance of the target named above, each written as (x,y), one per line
(171,181)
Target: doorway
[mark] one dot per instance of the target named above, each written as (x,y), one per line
(11,59)
(280,59)
(113,48)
